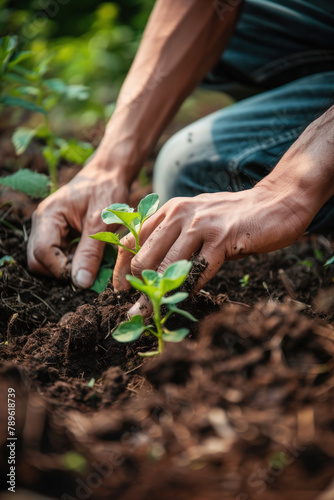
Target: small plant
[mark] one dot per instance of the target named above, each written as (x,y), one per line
(244,280)
(121,213)
(329,261)
(29,89)
(306,263)
(156,285)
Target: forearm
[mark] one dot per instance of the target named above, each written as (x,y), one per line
(304,177)
(182,41)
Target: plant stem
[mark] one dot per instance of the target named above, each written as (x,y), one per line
(126,248)
(157,321)
(52,166)
(137,242)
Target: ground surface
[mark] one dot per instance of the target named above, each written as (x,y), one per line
(243,409)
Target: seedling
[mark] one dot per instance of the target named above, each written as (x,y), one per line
(121,213)
(244,280)
(156,285)
(306,263)
(329,261)
(29,89)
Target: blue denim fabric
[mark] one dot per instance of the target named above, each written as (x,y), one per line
(235,147)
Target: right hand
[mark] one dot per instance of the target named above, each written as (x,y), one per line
(73,210)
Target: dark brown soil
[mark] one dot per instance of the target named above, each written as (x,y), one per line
(243,409)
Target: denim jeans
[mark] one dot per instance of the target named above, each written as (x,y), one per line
(237,146)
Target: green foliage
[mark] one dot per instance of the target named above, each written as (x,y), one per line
(91,383)
(74,461)
(21,139)
(329,261)
(32,183)
(121,213)
(155,285)
(244,280)
(306,263)
(6,260)
(65,65)
(318,254)
(30,89)
(106,270)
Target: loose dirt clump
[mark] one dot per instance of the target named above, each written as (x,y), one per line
(242,409)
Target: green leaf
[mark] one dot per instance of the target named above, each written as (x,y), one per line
(139,285)
(76,151)
(186,314)
(7,47)
(148,354)
(28,90)
(16,101)
(306,263)
(74,461)
(130,330)
(91,383)
(43,66)
(148,206)
(109,218)
(31,183)
(80,92)
(329,261)
(102,279)
(6,260)
(126,218)
(21,56)
(51,156)
(176,335)
(175,275)
(21,139)
(175,299)
(106,236)
(151,277)
(12,77)
(56,85)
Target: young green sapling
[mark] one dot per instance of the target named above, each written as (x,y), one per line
(156,285)
(121,213)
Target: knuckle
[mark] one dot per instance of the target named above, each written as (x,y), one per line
(40,252)
(136,266)
(128,241)
(32,264)
(178,204)
(91,254)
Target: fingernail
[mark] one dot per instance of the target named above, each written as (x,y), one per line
(142,307)
(84,279)
(135,309)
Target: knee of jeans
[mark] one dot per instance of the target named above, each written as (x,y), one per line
(173,156)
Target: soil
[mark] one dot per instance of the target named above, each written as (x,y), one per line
(242,409)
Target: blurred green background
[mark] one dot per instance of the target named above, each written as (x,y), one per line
(87,42)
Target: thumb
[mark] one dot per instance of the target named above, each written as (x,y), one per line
(88,255)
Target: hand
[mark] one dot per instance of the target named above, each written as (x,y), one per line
(220,226)
(73,210)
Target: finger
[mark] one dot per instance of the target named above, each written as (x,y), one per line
(214,258)
(89,252)
(124,257)
(44,251)
(122,268)
(154,249)
(184,247)
(143,307)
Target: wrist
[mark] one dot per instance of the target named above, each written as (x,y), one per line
(304,177)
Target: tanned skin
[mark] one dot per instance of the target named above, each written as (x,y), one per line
(182,41)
